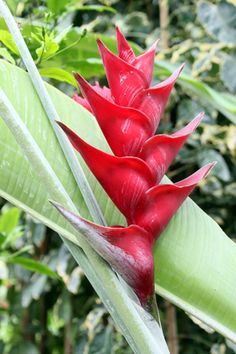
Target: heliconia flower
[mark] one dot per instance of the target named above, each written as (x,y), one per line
(128,114)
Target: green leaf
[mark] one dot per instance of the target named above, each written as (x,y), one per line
(57,7)
(97,8)
(195,260)
(58,74)
(228,73)
(7,40)
(218,20)
(195,269)
(32,265)
(48,47)
(6,55)
(9,220)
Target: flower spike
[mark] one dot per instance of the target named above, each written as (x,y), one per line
(129,113)
(160,150)
(162,201)
(130,126)
(128,250)
(125,179)
(125,80)
(143,62)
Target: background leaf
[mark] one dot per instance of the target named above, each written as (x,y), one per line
(219,20)
(227,73)
(32,265)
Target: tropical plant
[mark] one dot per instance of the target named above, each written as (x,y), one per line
(172,260)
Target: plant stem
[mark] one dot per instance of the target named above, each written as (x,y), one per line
(164,23)
(52,115)
(171,325)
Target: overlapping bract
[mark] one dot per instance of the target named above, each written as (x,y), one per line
(129,113)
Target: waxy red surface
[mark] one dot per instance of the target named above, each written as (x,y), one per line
(128,113)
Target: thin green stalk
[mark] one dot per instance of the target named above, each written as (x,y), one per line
(52,115)
(137,332)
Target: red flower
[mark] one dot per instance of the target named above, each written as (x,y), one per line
(128,114)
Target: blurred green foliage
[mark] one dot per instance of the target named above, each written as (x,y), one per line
(46,303)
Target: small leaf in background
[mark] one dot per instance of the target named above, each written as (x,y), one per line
(57,7)
(24,348)
(228,73)
(9,220)
(188,108)
(74,280)
(221,169)
(218,20)
(97,8)
(102,341)
(7,40)
(33,266)
(58,74)
(34,290)
(4,53)
(48,47)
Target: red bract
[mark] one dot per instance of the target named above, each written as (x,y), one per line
(130,126)
(103,91)
(128,114)
(143,62)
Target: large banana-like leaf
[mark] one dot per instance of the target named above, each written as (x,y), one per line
(195,260)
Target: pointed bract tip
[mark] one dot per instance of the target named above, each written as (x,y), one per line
(170,81)
(196,120)
(197,176)
(118,30)
(154,44)
(179,69)
(191,126)
(99,42)
(77,76)
(61,124)
(103,48)
(56,205)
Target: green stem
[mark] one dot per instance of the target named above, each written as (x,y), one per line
(105,282)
